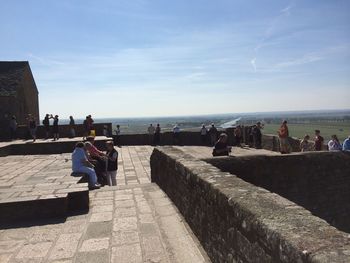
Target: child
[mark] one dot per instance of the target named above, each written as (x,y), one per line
(112,164)
(304,144)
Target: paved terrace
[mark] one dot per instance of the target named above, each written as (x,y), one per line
(133,222)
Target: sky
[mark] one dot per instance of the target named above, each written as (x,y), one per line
(123,58)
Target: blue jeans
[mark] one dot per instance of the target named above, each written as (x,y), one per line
(90,172)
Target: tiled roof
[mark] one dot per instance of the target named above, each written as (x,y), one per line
(11,74)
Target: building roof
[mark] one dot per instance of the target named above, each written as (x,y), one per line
(11,74)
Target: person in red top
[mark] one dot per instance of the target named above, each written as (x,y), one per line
(318,141)
(283,134)
(98,158)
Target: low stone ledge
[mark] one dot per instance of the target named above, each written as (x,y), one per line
(238,222)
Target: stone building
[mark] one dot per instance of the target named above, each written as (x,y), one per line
(18,93)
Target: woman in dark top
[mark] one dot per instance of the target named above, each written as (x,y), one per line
(221,147)
(55,128)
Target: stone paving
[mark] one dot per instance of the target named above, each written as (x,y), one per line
(125,224)
(133,222)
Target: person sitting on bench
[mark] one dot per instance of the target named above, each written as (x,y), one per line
(80,164)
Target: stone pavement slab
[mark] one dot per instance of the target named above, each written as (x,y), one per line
(155,234)
(132,222)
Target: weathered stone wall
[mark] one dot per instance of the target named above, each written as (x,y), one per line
(45,147)
(166,138)
(320,182)
(236,221)
(64,131)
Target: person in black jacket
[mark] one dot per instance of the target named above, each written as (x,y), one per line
(257,135)
(112,164)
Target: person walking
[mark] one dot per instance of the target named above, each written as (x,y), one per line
(213,133)
(71,127)
(318,141)
(204,133)
(334,144)
(56,134)
(13,128)
(283,134)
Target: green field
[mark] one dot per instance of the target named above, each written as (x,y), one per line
(342,130)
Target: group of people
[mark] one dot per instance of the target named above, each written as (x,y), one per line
(100,167)
(154,134)
(255,139)
(305,144)
(55,131)
(50,128)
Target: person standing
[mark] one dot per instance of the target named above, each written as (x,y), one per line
(318,141)
(176,135)
(257,136)
(71,127)
(157,135)
(204,133)
(13,128)
(238,135)
(150,131)
(46,123)
(117,136)
(56,135)
(32,126)
(112,164)
(213,133)
(86,127)
(334,144)
(305,145)
(283,134)
(346,144)
(90,125)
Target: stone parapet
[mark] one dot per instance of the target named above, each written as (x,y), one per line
(236,221)
(64,131)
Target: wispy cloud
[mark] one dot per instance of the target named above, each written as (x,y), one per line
(270,31)
(306,59)
(253,63)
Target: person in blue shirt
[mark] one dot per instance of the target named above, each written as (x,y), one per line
(346,144)
(80,164)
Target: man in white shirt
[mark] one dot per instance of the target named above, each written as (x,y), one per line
(176,135)
(151,131)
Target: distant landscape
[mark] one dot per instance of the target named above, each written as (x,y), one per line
(300,123)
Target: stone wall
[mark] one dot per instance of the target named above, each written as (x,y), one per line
(236,221)
(57,147)
(64,131)
(166,138)
(319,182)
